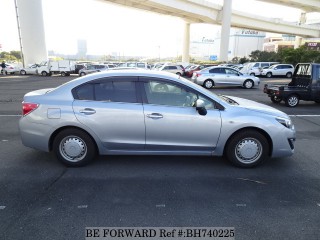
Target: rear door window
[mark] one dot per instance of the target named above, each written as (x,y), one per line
(108,90)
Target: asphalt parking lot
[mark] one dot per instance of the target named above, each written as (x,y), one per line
(42,199)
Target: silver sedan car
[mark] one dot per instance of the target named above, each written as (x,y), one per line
(224,76)
(153,113)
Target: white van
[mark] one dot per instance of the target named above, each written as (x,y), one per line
(255,68)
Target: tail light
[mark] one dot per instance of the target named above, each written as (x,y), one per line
(198,74)
(28,107)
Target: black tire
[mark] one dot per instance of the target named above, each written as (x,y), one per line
(63,74)
(276,99)
(317,101)
(292,100)
(179,74)
(74,147)
(247,149)
(252,74)
(289,75)
(248,84)
(82,74)
(44,73)
(208,84)
(269,75)
(23,72)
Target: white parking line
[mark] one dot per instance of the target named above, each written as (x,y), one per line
(10,115)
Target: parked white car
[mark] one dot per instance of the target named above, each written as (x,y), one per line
(255,68)
(11,69)
(176,69)
(33,69)
(278,70)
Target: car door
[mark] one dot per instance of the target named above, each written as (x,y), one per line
(172,123)
(233,78)
(218,75)
(111,108)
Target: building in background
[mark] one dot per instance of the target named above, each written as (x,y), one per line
(275,42)
(202,48)
(242,42)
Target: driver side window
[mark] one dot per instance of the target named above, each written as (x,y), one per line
(163,93)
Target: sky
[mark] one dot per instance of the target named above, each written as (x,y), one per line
(110,28)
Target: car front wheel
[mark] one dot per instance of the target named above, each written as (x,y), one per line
(269,75)
(74,147)
(247,149)
(23,72)
(248,84)
(289,75)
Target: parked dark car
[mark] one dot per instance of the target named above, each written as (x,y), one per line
(305,85)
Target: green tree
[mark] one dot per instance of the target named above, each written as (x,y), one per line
(16,54)
(243,60)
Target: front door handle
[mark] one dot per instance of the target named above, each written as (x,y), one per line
(88,111)
(155,115)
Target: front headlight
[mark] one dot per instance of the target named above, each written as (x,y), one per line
(285,122)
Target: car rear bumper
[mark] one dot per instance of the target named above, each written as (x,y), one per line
(34,135)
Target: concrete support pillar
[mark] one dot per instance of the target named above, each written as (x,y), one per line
(298,40)
(186,43)
(225,29)
(32,31)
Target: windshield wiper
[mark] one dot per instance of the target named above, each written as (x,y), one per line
(228,100)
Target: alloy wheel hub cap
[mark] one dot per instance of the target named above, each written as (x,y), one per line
(73,148)
(248,150)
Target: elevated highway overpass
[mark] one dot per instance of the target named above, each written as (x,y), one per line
(192,11)
(202,11)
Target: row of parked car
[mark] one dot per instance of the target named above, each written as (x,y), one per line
(268,69)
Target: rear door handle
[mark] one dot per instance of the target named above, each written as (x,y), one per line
(155,115)
(88,111)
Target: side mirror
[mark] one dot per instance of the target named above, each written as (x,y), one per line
(200,107)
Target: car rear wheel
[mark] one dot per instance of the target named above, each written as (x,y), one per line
(252,74)
(208,84)
(292,101)
(74,147)
(23,72)
(178,73)
(247,149)
(44,73)
(63,74)
(82,74)
(248,84)
(289,75)
(276,99)
(269,75)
